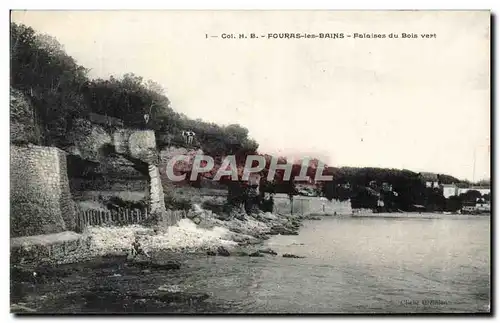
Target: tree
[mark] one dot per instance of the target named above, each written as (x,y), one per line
(470,196)
(50,78)
(453,203)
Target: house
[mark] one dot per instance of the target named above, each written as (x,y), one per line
(480,206)
(430,179)
(449,190)
(481,189)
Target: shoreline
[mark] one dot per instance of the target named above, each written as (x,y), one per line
(206,232)
(162,283)
(247,238)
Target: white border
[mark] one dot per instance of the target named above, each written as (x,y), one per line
(196,5)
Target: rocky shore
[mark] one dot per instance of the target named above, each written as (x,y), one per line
(106,251)
(202,231)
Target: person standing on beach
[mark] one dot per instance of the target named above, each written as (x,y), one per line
(137,249)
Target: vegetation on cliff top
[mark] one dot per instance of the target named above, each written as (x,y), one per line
(61,91)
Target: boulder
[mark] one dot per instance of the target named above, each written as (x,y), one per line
(190,214)
(269,216)
(278,229)
(288,255)
(256,254)
(269,251)
(221,251)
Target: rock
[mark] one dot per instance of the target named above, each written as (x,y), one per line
(152,264)
(241,253)
(221,251)
(23,274)
(268,251)
(170,296)
(170,288)
(169,265)
(256,254)
(17,308)
(283,230)
(39,274)
(211,253)
(288,255)
(261,236)
(224,217)
(190,214)
(240,216)
(197,208)
(269,216)
(182,297)
(236,230)
(243,239)
(196,220)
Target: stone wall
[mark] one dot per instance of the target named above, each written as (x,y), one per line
(40,197)
(156,196)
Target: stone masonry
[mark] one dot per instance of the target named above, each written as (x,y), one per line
(156,196)
(40,197)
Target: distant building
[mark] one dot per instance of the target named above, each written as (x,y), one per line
(476,208)
(481,189)
(483,206)
(449,190)
(430,179)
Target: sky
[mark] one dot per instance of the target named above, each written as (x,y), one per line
(415,103)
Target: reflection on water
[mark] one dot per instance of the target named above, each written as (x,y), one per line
(352,265)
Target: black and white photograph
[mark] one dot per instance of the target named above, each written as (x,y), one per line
(250,162)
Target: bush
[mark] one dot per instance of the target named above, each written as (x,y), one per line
(267,205)
(177,203)
(22,120)
(116,202)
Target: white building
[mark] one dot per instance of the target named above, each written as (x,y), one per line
(449,190)
(430,179)
(482,190)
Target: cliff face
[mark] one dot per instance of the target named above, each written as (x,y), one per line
(110,159)
(100,160)
(45,180)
